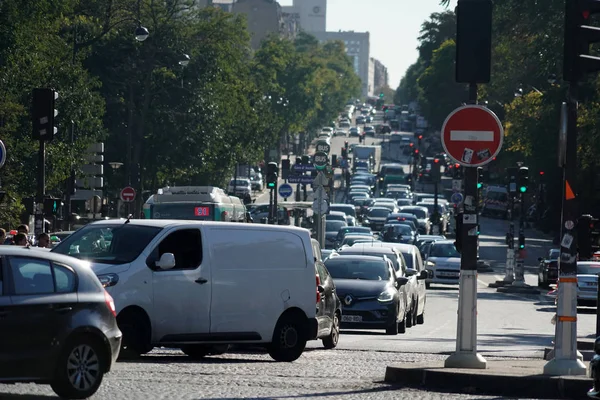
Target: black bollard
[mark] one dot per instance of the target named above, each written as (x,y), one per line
(594,393)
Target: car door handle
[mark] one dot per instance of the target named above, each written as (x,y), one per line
(201,281)
(63,310)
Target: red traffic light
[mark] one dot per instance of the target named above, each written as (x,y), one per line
(456,165)
(411,145)
(416,151)
(420,137)
(436,160)
(541,172)
(585,14)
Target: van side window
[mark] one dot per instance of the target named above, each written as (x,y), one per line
(185,245)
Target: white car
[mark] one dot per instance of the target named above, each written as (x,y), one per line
(587,283)
(443,263)
(202,285)
(239,187)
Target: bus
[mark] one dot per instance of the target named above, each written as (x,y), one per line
(201,203)
(376,101)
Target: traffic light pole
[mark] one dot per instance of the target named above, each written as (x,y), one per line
(566,361)
(466,355)
(39,226)
(270,206)
(509,276)
(520,256)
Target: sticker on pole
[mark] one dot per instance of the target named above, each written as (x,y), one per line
(472,135)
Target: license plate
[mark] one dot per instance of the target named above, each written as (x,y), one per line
(448,274)
(351,318)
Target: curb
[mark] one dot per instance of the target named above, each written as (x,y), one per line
(505,381)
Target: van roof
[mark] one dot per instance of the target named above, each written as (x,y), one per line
(400,246)
(167,223)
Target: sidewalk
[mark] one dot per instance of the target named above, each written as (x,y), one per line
(515,378)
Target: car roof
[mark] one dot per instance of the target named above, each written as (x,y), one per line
(413,208)
(444,241)
(41,252)
(400,246)
(356,256)
(379,208)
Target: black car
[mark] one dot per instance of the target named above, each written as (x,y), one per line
(368,288)
(329,307)
(58,324)
(548,269)
(401,233)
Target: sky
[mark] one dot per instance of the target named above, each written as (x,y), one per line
(393,26)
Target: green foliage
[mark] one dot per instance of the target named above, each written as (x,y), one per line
(168,123)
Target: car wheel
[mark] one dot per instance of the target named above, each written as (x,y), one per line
(289,340)
(542,283)
(402,325)
(331,341)
(80,368)
(421,317)
(136,334)
(427,285)
(199,351)
(415,311)
(409,318)
(392,329)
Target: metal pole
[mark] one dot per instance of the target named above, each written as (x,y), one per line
(322,226)
(466,355)
(275,209)
(566,361)
(598,308)
(436,216)
(520,260)
(509,276)
(70,183)
(235,176)
(39,226)
(271,206)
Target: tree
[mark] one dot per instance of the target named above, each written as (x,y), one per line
(408,90)
(438,29)
(439,94)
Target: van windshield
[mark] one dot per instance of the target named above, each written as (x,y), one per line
(108,244)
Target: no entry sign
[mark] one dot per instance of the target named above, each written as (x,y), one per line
(472,135)
(128,194)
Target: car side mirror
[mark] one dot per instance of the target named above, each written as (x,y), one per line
(402,280)
(167,261)
(540,259)
(321,289)
(423,275)
(410,271)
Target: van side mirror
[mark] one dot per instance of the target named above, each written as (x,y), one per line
(423,275)
(402,280)
(167,261)
(410,271)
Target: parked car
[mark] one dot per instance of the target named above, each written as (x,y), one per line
(186,284)
(443,262)
(239,187)
(58,325)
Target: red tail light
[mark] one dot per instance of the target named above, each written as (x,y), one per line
(110,303)
(318,280)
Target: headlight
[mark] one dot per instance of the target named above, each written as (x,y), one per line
(386,296)
(430,264)
(108,280)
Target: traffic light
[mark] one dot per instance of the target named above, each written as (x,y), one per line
(521,241)
(346,145)
(458,230)
(473,41)
(381,95)
(44,113)
(344,153)
(52,206)
(285,168)
(512,174)
(29,203)
(436,174)
(298,160)
(420,138)
(523,179)
(272,169)
(305,160)
(334,160)
(457,172)
(578,37)
(416,153)
(479,177)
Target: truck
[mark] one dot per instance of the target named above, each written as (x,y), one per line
(368,154)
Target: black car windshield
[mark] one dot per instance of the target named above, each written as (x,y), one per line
(351,268)
(416,212)
(588,269)
(379,212)
(400,229)
(334,226)
(354,229)
(443,250)
(109,244)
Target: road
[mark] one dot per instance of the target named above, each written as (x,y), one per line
(509,326)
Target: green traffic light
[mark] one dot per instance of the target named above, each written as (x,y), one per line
(522,246)
(479,185)
(523,189)
(271,185)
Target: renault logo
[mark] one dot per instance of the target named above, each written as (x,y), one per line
(348,300)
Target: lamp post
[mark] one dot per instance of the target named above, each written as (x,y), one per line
(184,63)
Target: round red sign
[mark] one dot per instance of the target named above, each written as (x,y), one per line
(128,194)
(472,135)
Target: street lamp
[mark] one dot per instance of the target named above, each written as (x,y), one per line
(115,165)
(185,60)
(141,33)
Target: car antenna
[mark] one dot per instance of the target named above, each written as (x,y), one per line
(129,218)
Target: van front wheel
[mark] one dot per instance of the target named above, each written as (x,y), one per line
(289,340)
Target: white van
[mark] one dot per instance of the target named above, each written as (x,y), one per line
(200,285)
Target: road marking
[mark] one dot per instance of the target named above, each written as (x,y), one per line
(472,136)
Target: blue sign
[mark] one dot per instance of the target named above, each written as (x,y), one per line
(303,167)
(2,154)
(457,198)
(303,179)
(285,190)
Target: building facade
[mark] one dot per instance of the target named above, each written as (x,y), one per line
(358,49)
(380,76)
(311,14)
(264,18)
